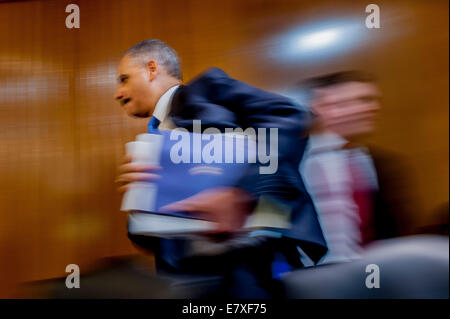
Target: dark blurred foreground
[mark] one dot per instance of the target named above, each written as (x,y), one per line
(409,267)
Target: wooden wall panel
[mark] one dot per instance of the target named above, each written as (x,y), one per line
(62,134)
(38,154)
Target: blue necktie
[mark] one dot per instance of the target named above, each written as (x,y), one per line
(153,125)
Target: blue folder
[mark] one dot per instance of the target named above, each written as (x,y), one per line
(180,180)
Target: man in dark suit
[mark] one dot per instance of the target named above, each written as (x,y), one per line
(149,78)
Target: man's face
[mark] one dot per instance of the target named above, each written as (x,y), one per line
(135,91)
(348,108)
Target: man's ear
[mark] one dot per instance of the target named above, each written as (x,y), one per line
(152,68)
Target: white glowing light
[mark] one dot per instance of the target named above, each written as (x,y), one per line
(319,39)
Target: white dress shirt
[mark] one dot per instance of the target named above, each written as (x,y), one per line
(326,173)
(162,109)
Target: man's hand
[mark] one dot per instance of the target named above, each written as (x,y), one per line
(129,172)
(228,206)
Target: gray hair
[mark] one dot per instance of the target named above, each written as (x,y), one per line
(158,50)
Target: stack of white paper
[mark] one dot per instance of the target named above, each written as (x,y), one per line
(142,195)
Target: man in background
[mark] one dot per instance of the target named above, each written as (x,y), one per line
(359,192)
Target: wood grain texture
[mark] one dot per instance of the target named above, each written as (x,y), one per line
(62,134)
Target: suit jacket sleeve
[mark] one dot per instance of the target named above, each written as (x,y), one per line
(222,102)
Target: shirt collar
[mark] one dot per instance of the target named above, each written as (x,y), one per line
(162,108)
(326,141)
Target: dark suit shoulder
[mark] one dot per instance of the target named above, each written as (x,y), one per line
(208,75)
(213,72)
(215,82)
